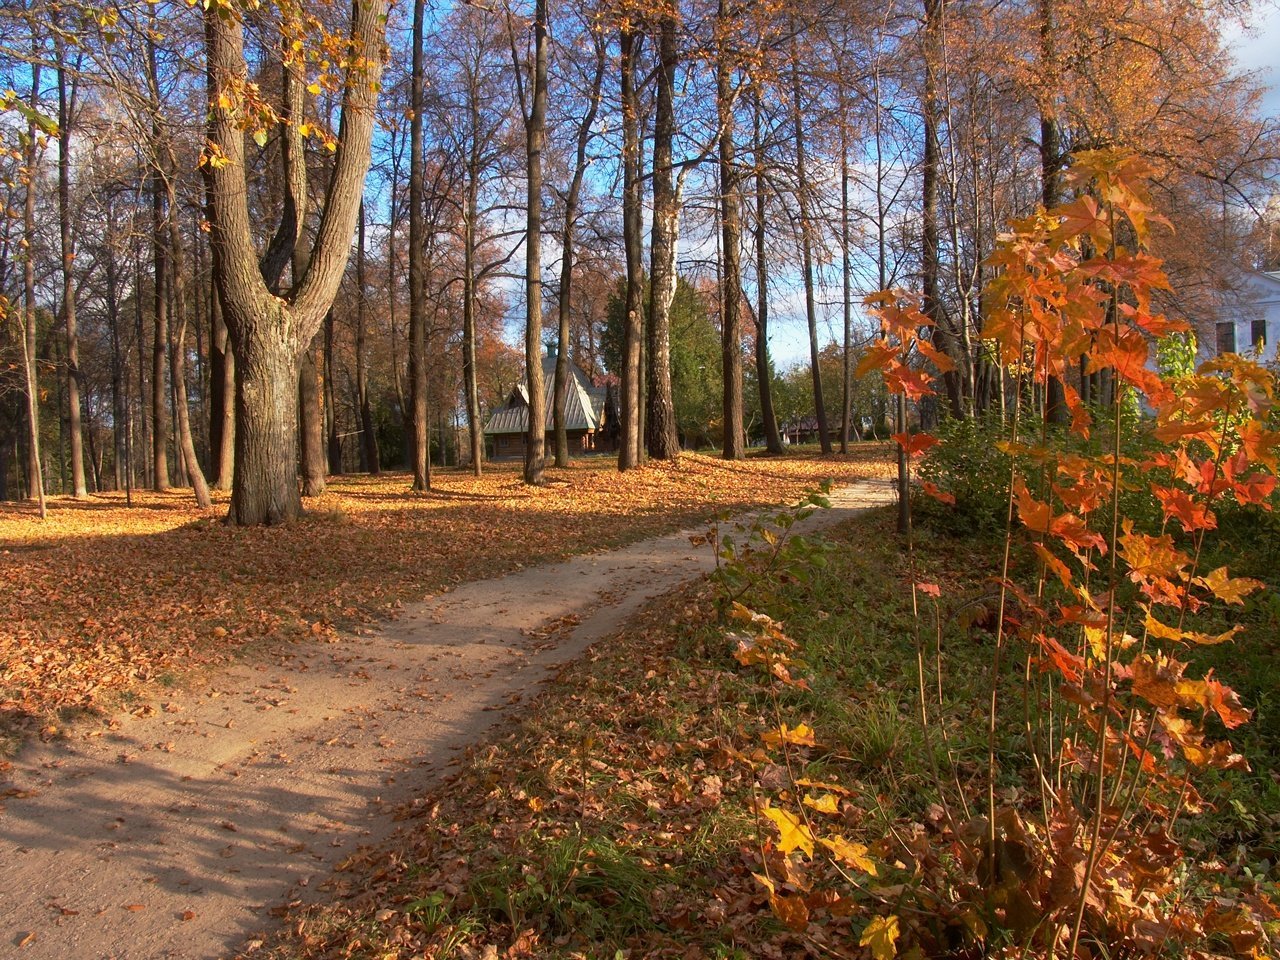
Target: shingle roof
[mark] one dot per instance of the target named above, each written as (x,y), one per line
(579,409)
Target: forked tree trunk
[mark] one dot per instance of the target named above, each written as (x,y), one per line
(268,332)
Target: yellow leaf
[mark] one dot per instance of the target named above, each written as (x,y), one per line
(792,834)
(313,89)
(1229,589)
(881,935)
(791,910)
(824,804)
(801,736)
(854,854)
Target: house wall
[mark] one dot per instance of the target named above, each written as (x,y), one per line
(510,446)
(1259,307)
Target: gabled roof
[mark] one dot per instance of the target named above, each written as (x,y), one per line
(580,409)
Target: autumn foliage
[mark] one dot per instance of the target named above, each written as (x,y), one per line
(1094,613)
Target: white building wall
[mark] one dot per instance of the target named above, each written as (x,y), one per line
(1259,303)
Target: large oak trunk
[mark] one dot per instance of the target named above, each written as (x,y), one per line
(265,490)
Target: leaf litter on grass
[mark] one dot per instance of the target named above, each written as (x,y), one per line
(103,599)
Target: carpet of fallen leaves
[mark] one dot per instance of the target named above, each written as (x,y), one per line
(611,819)
(102,599)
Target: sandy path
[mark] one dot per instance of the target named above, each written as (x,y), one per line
(176,834)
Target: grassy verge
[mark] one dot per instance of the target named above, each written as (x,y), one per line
(623,812)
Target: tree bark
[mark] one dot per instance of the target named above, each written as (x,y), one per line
(222,391)
(663,440)
(470,385)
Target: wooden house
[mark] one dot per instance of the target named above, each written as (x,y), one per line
(591,416)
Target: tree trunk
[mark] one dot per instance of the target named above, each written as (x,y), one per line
(629,438)
(846,262)
(535,453)
(159,346)
(266,431)
(139,339)
(420,437)
(334,445)
(731,264)
(119,407)
(929,172)
(567,244)
(311,423)
(35,470)
(1050,173)
(470,386)
(368,438)
(806,243)
(160,423)
(663,441)
(222,391)
(66,103)
(764,369)
(178,352)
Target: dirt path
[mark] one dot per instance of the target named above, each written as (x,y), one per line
(176,834)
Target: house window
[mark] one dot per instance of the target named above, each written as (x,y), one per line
(1258,333)
(1227,337)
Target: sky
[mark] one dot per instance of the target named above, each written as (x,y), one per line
(1257,48)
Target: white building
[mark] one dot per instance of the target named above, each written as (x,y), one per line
(1253,321)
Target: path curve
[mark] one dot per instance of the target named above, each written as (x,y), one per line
(176,835)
